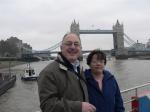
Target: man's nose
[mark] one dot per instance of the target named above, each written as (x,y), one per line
(72,45)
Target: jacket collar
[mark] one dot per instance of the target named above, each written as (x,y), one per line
(64,63)
(88,74)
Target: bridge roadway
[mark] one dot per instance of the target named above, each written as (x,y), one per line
(98,31)
(55,52)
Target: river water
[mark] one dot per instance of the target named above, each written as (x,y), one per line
(23,97)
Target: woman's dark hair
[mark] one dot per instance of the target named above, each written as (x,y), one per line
(100,56)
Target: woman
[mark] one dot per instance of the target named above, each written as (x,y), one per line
(104,92)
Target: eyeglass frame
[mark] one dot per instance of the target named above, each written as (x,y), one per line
(70,43)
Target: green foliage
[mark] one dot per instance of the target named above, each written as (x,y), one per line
(9,47)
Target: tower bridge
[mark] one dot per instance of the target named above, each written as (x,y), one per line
(117,32)
(119,37)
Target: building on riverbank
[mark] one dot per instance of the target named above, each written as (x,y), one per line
(13,47)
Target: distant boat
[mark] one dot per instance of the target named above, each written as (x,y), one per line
(29,74)
(6,82)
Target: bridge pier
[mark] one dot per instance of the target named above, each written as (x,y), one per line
(121,54)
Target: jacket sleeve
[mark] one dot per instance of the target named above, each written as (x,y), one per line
(50,98)
(119,107)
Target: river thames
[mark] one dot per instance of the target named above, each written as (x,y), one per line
(23,97)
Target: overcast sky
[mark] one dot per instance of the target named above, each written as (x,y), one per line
(42,23)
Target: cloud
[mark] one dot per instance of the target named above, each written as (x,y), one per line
(46,21)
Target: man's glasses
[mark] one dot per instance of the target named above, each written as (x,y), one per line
(69,44)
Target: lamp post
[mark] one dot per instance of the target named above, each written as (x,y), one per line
(9,68)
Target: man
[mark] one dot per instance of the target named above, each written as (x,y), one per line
(61,84)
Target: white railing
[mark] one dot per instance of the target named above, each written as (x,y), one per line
(128,94)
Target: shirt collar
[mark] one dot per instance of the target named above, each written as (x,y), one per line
(75,65)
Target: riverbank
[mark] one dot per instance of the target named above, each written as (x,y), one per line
(6,64)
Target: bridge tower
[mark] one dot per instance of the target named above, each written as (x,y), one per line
(75,28)
(118,38)
(118,35)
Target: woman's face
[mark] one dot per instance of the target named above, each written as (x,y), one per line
(97,65)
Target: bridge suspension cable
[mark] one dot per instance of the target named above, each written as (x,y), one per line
(128,40)
(53,47)
(48,49)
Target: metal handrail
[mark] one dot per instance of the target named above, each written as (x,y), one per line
(136,94)
(136,87)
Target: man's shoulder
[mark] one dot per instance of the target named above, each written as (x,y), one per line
(50,67)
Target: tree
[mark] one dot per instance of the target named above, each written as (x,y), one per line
(4,47)
(12,47)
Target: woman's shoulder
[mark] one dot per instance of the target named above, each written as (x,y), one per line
(87,73)
(108,74)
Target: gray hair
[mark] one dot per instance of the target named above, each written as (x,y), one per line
(68,33)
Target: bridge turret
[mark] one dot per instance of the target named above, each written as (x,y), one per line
(74,27)
(118,37)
